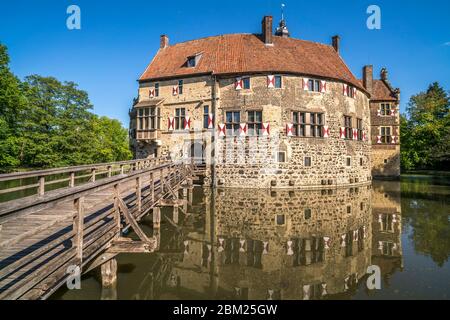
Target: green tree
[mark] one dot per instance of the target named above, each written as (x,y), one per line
(425,133)
(12,103)
(48,123)
(112,141)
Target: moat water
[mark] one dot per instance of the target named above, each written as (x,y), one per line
(258,245)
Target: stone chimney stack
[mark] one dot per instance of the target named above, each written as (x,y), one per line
(336,40)
(164,42)
(267,30)
(384,74)
(368,78)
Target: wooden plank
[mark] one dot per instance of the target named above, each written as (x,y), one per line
(78,228)
(126,246)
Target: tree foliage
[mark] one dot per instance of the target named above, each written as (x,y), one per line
(425,132)
(48,123)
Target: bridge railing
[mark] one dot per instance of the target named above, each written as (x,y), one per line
(23,184)
(91,230)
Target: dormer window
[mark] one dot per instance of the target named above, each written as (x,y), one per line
(193,61)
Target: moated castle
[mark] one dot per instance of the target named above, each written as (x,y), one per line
(267,111)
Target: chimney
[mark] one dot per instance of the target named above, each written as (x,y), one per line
(164,42)
(384,74)
(335,42)
(368,78)
(267,30)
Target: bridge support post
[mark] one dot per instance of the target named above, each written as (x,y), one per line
(139,194)
(152,188)
(109,273)
(156,218)
(78,229)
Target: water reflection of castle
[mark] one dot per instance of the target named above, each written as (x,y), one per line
(288,245)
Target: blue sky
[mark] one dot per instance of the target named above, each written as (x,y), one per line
(118,38)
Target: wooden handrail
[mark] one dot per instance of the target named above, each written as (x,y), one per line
(75,169)
(51,198)
(95,171)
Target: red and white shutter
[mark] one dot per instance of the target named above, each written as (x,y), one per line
(326,132)
(243,129)
(394,139)
(289,129)
(239,84)
(394,112)
(171,124)
(305,84)
(222,130)
(175,91)
(187,123)
(355,134)
(270,81)
(364,136)
(378,113)
(266,129)
(151,93)
(355,92)
(211,121)
(342,133)
(323,86)
(345,90)
(378,139)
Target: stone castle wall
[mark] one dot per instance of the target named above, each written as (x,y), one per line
(251,161)
(385,158)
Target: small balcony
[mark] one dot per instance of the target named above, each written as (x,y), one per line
(147,135)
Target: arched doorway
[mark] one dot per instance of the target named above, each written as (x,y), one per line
(197,152)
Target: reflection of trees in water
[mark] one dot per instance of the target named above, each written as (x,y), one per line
(426,209)
(430,229)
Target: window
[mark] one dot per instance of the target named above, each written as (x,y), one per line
(349,209)
(156,89)
(299,121)
(361,162)
(180,87)
(281,157)
(359,126)
(387,223)
(348,127)
(348,161)
(308,214)
(205,117)
(385,133)
(314,85)
(180,117)
(316,120)
(385,109)
(308,162)
(191,62)
(148,119)
(233,120)
(351,91)
(246,83)
(278,82)
(281,220)
(254,123)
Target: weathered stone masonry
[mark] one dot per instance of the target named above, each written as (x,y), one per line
(203,81)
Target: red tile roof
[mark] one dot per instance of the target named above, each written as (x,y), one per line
(382,92)
(246,53)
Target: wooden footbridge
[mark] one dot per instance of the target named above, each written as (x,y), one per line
(76,218)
